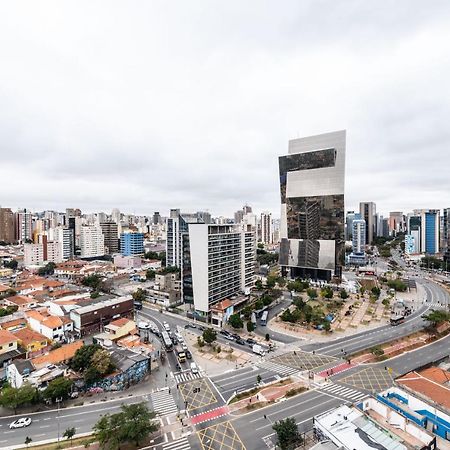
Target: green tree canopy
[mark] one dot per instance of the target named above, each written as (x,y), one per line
(209,335)
(13,264)
(101,361)
(150,274)
(93,281)
(70,433)
(271,281)
(312,293)
(436,317)
(48,269)
(13,398)
(82,357)
(343,294)
(133,424)
(139,295)
(287,433)
(58,388)
(250,326)
(235,321)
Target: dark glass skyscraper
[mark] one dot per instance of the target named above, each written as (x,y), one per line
(312,206)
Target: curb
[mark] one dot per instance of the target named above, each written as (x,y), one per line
(47,441)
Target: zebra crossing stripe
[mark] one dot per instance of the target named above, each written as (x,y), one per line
(179,444)
(278,368)
(163,403)
(343,391)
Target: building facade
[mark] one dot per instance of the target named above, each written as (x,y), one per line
(266,228)
(312,179)
(24,231)
(92,242)
(132,244)
(110,230)
(430,231)
(7,233)
(368,210)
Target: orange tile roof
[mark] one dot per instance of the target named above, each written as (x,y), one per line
(120,322)
(20,300)
(426,384)
(27,336)
(52,322)
(59,355)
(6,337)
(223,305)
(4,288)
(13,323)
(35,315)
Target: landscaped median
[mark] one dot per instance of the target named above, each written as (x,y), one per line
(261,396)
(399,346)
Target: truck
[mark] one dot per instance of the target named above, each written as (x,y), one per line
(181,354)
(258,350)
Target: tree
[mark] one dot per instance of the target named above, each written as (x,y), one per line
(327,292)
(326,326)
(82,357)
(151,255)
(343,294)
(312,293)
(436,317)
(101,361)
(209,335)
(58,388)
(377,351)
(70,433)
(235,321)
(398,285)
(28,441)
(150,274)
(258,284)
(139,295)
(376,291)
(250,326)
(133,424)
(170,269)
(13,264)
(12,398)
(281,281)
(287,433)
(93,281)
(271,281)
(48,269)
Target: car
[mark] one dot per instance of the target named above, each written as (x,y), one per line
(250,341)
(201,328)
(190,325)
(174,340)
(194,368)
(229,337)
(236,336)
(144,325)
(240,341)
(184,346)
(224,332)
(188,354)
(20,423)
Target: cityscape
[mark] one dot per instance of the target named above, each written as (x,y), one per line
(151,297)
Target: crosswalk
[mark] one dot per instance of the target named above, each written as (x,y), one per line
(179,444)
(342,391)
(182,377)
(163,402)
(277,368)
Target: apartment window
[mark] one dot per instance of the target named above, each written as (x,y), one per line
(10,344)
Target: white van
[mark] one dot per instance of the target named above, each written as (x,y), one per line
(194,368)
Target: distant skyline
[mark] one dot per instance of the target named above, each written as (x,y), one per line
(145,106)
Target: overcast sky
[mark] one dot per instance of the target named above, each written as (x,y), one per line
(148,105)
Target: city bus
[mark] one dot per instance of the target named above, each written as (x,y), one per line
(263,320)
(168,345)
(181,354)
(397,320)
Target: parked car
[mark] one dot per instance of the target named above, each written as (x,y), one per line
(224,332)
(188,354)
(250,341)
(194,368)
(240,341)
(229,337)
(174,340)
(20,423)
(144,325)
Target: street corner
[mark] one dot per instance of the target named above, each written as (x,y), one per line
(220,437)
(197,394)
(372,379)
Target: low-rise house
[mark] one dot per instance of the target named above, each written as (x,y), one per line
(8,341)
(18,372)
(92,318)
(115,330)
(14,324)
(131,368)
(221,312)
(127,262)
(52,327)
(61,355)
(166,290)
(31,341)
(22,302)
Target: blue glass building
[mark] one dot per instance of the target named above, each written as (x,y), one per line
(132,244)
(431,232)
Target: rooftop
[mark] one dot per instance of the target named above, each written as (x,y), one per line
(59,355)
(27,336)
(110,301)
(432,383)
(6,337)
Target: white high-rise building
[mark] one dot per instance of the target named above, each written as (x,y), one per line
(23,226)
(219,262)
(65,239)
(358,236)
(33,255)
(266,228)
(91,241)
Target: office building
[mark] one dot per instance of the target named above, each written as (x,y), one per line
(238,216)
(266,228)
(176,226)
(410,245)
(358,256)
(109,230)
(218,262)
(445,228)
(350,216)
(7,233)
(24,231)
(156,218)
(92,242)
(414,224)
(396,222)
(312,206)
(132,243)
(64,236)
(367,210)
(430,231)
